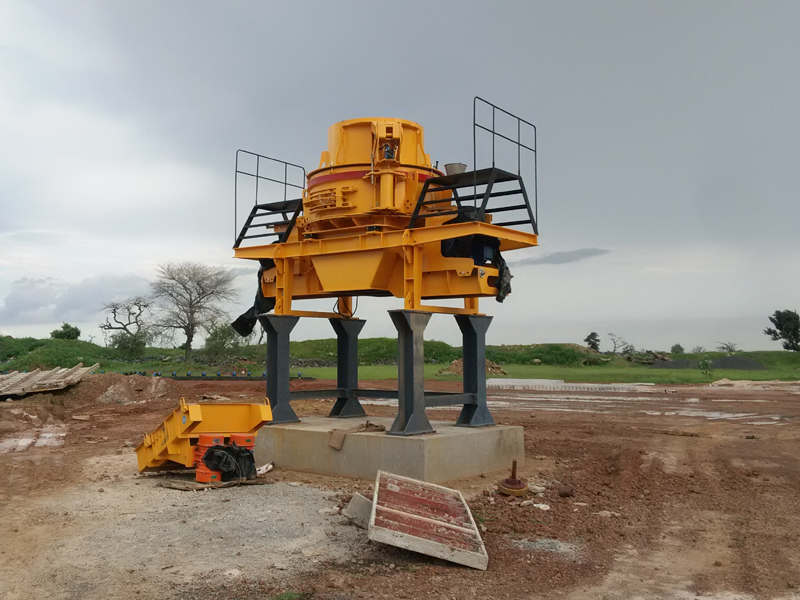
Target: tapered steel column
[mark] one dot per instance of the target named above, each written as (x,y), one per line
(347,331)
(278,328)
(411,419)
(473,329)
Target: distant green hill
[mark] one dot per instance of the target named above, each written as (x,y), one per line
(30,353)
(377,357)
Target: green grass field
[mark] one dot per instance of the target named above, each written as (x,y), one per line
(558,361)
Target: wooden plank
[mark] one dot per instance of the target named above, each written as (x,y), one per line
(14,385)
(20,384)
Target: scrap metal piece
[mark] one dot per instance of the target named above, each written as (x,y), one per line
(426,518)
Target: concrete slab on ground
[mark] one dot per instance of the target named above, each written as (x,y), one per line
(558,385)
(449,453)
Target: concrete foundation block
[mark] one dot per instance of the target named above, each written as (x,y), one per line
(449,453)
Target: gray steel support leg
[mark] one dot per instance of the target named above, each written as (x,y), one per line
(278,328)
(473,329)
(347,331)
(411,419)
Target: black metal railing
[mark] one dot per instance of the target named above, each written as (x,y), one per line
(494,183)
(268,219)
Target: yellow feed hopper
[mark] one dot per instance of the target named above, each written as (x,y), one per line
(171,444)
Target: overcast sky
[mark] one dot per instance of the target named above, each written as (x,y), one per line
(668,137)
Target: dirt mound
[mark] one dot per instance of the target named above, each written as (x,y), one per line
(579,348)
(770,384)
(115,388)
(457,368)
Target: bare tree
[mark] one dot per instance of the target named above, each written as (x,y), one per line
(617,342)
(127,321)
(127,315)
(188,297)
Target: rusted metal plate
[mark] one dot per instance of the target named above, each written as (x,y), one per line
(425,518)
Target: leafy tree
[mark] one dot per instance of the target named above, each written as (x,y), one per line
(628,349)
(593,341)
(706,368)
(131,345)
(727,347)
(787,329)
(698,350)
(67,332)
(222,342)
(188,298)
(676,349)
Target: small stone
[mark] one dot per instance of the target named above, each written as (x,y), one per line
(233,572)
(391,566)
(101,490)
(359,510)
(536,489)
(294,483)
(280,566)
(717,563)
(566,491)
(607,514)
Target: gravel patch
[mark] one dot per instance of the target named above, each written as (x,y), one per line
(131,539)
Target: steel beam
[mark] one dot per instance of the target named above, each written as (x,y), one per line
(347,404)
(473,329)
(411,418)
(278,328)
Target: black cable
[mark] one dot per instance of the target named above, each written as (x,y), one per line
(340,313)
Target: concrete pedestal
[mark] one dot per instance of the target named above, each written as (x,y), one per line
(449,453)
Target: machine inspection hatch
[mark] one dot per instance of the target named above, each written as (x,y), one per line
(376,218)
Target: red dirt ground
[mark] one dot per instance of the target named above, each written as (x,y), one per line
(678,491)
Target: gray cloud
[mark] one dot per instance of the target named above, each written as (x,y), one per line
(37,301)
(560,258)
(669,128)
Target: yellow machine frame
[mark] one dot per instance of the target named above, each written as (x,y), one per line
(171,444)
(352,238)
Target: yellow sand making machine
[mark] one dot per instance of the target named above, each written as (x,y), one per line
(376,218)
